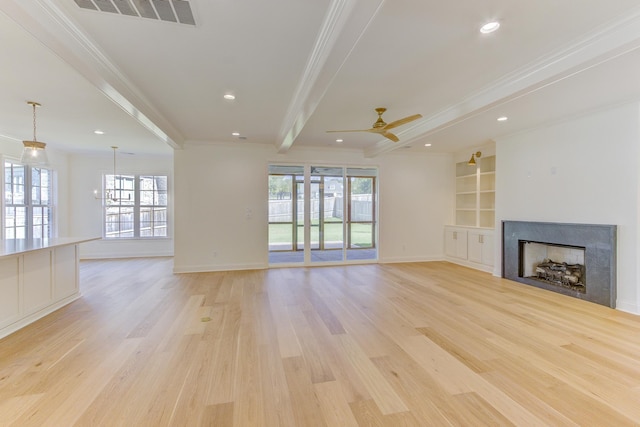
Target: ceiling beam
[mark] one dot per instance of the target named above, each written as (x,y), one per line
(346,21)
(52,27)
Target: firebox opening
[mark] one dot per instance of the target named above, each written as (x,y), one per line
(558,265)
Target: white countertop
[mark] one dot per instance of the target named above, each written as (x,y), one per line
(18,246)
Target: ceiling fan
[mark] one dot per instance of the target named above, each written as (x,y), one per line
(382,128)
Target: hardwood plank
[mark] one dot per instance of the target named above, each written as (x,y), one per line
(396,344)
(335,409)
(383,394)
(14,408)
(306,408)
(481,411)
(220,415)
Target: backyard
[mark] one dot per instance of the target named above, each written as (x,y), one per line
(281,234)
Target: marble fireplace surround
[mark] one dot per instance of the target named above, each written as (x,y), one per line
(598,240)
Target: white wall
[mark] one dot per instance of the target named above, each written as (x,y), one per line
(581,171)
(221,203)
(85,212)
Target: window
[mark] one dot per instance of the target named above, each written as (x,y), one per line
(28,202)
(135,206)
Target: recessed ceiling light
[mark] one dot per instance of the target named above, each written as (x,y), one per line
(489,27)
(427,145)
(98,132)
(339,140)
(229,96)
(503,119)
(235,134)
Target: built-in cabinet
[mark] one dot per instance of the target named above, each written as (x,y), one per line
(470,241)
(470,246)
(36,278)
(480,247)
(455,243)
(475,193)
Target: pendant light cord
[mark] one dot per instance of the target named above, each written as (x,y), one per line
(34,122)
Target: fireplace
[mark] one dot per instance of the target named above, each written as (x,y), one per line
(572,259)
(559,265)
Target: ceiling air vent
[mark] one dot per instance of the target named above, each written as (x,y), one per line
(163,10)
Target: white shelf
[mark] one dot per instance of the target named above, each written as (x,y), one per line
(475,193)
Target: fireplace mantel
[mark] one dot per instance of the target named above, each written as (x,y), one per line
(598,240)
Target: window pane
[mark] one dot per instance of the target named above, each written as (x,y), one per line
(18,194)
(146,198)
(35,177)
(44,196)
(9,217)
(161,183)
(45,174)
(161,198)
(8,172)
(35,195)
(160,222)
(21,217)
(8,194)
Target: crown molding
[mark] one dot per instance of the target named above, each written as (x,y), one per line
(605,43)
(50,25)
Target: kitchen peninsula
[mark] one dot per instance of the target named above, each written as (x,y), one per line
(37,277)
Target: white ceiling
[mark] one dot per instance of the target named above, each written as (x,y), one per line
(300,68)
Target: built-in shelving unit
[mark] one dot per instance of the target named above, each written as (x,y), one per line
(475,193)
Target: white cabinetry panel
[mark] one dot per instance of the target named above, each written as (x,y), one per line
(469,246)
(65,271)
(9,291)
(38,284)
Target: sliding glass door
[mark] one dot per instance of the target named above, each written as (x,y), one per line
(326,211)
(321,214)
(361,224)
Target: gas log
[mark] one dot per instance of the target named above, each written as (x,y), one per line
(560,273)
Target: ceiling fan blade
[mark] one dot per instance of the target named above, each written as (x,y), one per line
(351,130)
(402,121)
(390,136)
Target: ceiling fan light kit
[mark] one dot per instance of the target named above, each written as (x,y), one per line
(381,127)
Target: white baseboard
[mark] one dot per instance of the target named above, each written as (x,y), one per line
(392,260)
(470,264)
(113,255)
(628,307)
(217,267)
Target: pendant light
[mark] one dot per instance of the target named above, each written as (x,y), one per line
(110,195)
(33,152)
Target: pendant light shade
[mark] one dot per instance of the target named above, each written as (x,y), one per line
(33,152)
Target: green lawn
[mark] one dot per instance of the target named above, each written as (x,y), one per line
(361,234)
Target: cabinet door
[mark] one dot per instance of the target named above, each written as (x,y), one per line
(455,243)
(487,249)
(475,246)
(481,247)
(450,243)
(461,244)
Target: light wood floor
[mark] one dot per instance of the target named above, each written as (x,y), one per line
(424,344)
